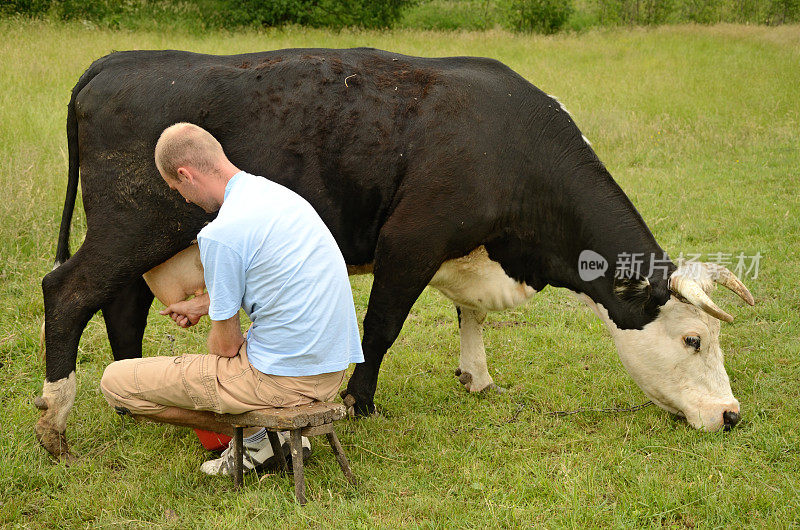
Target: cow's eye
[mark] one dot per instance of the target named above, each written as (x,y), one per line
(693,341)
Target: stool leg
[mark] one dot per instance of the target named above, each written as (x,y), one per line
(340,457)
(297,466)
(238,455)
(277,450)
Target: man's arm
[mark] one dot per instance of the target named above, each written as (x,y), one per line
(225,337)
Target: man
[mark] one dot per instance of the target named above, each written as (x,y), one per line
(269,253)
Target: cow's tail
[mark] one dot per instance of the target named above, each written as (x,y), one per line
(62,251)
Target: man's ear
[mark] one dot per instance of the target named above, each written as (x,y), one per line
(185,174)
(634,290)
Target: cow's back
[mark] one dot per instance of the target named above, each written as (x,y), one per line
(346,129)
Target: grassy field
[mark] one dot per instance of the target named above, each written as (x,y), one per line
(700,126)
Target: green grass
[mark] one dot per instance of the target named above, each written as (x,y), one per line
(698,124)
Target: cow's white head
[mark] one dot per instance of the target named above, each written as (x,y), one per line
(676,359)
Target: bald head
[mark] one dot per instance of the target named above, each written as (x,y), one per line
(186,144)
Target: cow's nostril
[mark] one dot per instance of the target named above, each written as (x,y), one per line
(730,419)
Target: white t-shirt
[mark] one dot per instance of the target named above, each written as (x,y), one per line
(269,252)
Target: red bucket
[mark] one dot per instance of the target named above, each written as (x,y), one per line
(212,441)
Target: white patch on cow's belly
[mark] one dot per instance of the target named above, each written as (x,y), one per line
(477,282)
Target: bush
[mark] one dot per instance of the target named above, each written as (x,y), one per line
(540,16)
(31,8)
(111,13)
(783,11)
(543,16)
(107,12)
(217,13)
(650,12)
(452,15)
(635,12)
(700,11)
(362,13)
(315,13)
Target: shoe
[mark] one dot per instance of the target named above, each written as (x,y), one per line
(257,456)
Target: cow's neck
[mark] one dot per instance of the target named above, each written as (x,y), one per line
(587,211)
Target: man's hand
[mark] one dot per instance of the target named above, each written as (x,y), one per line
(188,312)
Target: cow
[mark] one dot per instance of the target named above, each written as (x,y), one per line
(451,172)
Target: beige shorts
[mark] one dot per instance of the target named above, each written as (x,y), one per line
(209,382)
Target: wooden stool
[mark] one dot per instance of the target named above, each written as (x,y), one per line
(309,420)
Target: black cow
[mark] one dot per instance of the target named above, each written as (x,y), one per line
(454,172)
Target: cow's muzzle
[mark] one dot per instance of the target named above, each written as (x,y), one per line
(729,419)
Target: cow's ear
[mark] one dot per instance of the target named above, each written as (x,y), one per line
(632,289)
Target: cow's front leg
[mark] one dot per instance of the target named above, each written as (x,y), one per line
(404,264)
(389,304)
(472,371)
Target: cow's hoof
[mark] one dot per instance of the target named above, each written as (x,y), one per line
(40,403)
(356,409)
(54,442)
(466,379)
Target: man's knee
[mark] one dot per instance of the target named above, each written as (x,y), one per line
(116,380)
(118,386)
(122,382)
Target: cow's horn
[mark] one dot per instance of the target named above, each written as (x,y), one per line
(728,279)
(691,291)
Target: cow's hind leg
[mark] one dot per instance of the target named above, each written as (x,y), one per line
(73,292)
(472,370)
(55,403)
(126,317)
(67,311)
